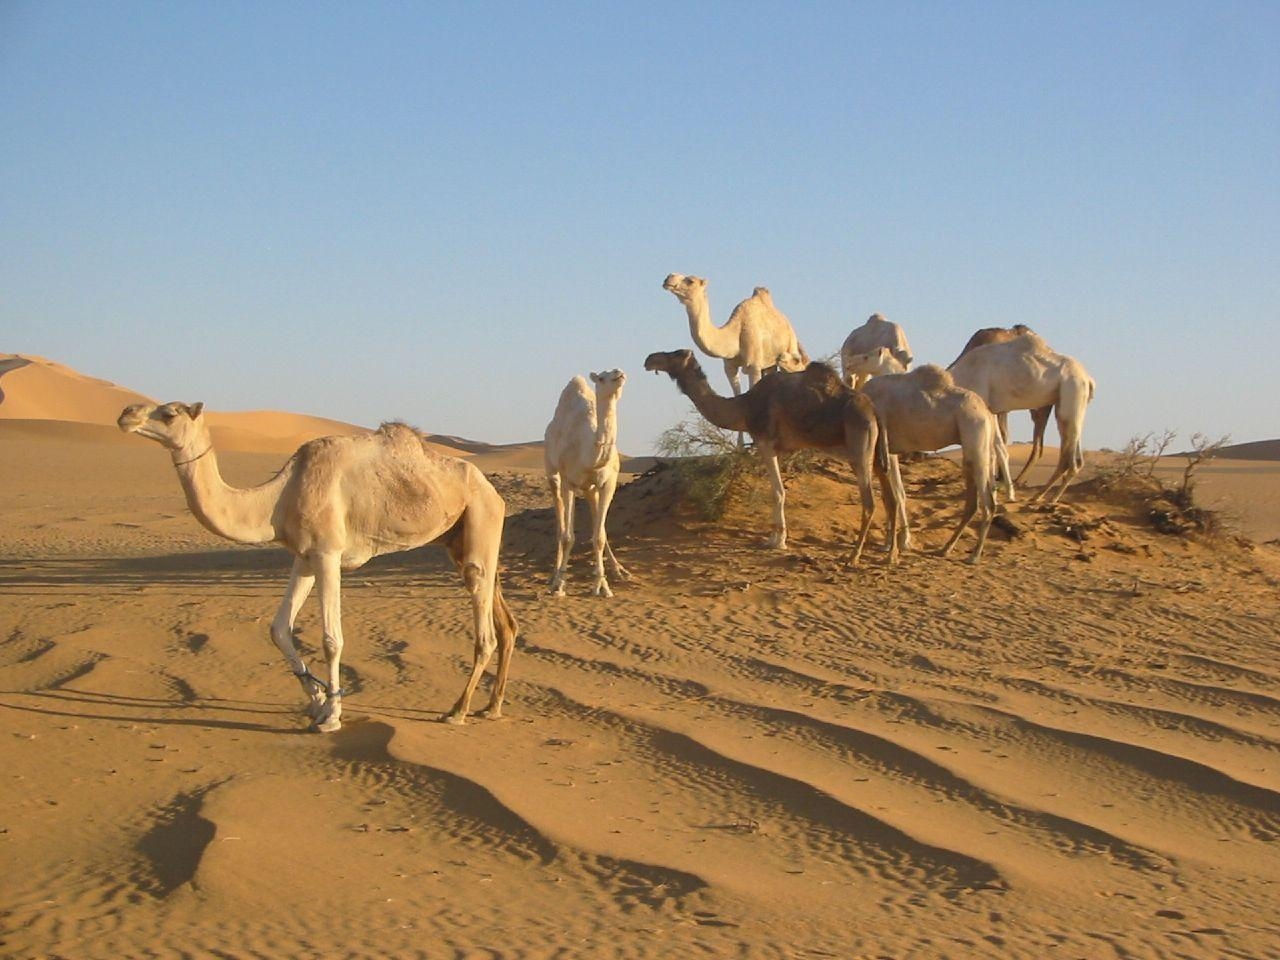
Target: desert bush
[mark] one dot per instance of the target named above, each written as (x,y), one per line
(1171,508)
(708,463)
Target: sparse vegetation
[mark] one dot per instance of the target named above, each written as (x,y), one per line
(708,463)
(1171,508)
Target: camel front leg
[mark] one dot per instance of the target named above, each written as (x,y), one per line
(778,537)
(607,490)
(563,495)
(301,580)
(600,588)
(329,581)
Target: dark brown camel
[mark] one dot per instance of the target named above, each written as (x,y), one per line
(807,410)
(1039,418)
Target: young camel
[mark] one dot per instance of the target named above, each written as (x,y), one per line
(1024,374)
(785,412)
(922,411)
(875,333)
(1039,417)
(336,503)
(581,454)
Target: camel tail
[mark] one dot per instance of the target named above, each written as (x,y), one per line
(503,618)
(882,444)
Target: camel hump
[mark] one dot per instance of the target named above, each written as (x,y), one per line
(932,377)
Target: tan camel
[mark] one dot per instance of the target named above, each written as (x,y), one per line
(875,333)
(1039,418)
(581,453)
(336,503)
(922,411)
(755,336)
(1024,374)
(785,412)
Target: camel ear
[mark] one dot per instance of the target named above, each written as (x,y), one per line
(193,410)
(700,281)
(595,378)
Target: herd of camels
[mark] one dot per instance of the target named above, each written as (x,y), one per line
(339,501)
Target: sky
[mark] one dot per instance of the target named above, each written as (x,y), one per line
(441,212)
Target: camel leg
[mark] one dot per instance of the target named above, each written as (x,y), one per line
(778,538)
(564,534)
(607,489)
(902,527)
(1070,459)
(867,492)
(731,369)
(301,580)
(477,559)
(970,508)
(1001,466)
(890,497)
(329,582)
(1039,421)
(601,586)
(470,552)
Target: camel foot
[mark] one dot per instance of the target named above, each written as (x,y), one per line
(601,589)
(621,572)
(777,541)
(328,726)
(490,713)
(453,719)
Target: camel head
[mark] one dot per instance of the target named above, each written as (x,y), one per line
(879,361)
(686,289)
(790,362)
(609,383)
(174,425)
(673,363)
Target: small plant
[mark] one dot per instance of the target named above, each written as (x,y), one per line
(1170,508)
(708,462)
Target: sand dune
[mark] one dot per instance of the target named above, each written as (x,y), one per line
(1069,750)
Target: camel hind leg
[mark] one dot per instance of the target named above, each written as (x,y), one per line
(329,581)
(1039,421)
(1073,397)
(473,544)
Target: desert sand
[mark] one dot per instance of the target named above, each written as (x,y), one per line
(1069,750)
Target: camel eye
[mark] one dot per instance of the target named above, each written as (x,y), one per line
(166,414)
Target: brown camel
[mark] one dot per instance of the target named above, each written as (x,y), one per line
(808,410)
(1039,416)
(336,503)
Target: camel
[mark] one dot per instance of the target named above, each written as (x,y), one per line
(875,333)
(756,334)
(785,412)
(581,452)
(1039,417)
(1024,374)
(924,410)
(336,503)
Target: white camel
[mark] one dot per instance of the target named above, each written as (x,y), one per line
(756,335)
(1039,418)
(581,453)
(923,411)
(875,333)
(1024,374)
(336,503)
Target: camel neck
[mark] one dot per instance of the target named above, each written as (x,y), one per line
(245,515)
(712,340)
(727,413)
(606,428)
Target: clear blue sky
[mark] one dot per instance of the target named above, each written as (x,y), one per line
(440,212)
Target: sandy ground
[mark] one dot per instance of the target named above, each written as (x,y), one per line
(1069,750)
